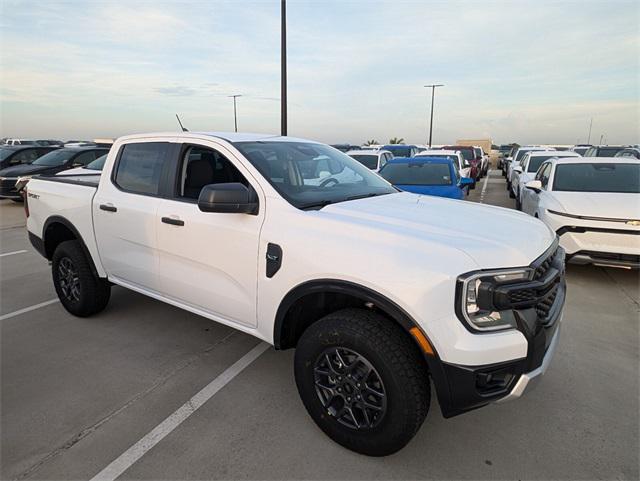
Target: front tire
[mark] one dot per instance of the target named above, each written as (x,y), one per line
(363,381)
(80,291)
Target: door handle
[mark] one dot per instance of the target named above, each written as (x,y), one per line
(172,221)
(108,207)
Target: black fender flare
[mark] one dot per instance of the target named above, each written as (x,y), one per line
(58,219)
(393,310)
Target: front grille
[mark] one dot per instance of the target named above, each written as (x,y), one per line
(611,256)
(543,307)
(543,268)
(539,294)
(7,186)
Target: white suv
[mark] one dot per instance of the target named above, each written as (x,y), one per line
(592,204)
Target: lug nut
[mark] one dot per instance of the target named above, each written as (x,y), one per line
(349,399)
(339,389)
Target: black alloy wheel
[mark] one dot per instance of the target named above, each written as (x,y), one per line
(350,388)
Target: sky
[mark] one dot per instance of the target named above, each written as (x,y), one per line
(518,71)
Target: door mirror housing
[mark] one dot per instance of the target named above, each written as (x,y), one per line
(534,185)
(228,198)
(466,181)
(518,169)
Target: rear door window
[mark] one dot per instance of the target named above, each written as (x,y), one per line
(141,166)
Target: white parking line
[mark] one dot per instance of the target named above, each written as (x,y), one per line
(12,253)
(135,452)
(484,186)
(27,309)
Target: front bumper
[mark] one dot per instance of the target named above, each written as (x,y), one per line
(461,388)
(599,242)
(528,379)
(8,188)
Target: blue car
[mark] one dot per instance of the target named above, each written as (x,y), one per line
(426,175)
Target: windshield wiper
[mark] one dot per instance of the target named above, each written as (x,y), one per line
(365,196)
(317,205)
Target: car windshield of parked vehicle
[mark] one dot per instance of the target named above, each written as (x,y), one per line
(608,151)
(4,153)
(417,173)
(312,175)
(467,154)
(580,150)
(521,154)
(536,162)
(400,151)
(592,177)
(55,158)
(478,152)
(97,164)
(369,161)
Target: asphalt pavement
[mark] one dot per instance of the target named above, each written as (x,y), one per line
(117,392)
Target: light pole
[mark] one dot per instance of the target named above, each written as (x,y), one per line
(235,112)
(589,136)
(283,67)
(433,93)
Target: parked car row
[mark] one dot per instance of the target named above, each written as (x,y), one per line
(592,203)
(20,162)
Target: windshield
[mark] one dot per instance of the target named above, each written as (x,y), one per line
(522,153)
(399,151)
(588,177)
(97,164)
(478,152)
(608,151)
(55,158)
(312,175)
(536,162)
(369,161)
(417,173)
(467,154)
(4,153)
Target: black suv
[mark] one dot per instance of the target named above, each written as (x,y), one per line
(11,155)
(51,163)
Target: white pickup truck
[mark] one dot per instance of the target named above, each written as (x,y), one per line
(299,245)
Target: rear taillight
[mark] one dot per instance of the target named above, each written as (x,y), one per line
(25,197)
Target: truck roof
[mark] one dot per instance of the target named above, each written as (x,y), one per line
(228,136)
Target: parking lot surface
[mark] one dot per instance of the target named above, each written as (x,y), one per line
(77,393)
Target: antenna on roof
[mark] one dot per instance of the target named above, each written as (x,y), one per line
(181,126)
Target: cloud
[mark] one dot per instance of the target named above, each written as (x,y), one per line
(526,71)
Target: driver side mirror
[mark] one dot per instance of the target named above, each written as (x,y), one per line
(518,169)
(466,181)
(534,185)
(228,198)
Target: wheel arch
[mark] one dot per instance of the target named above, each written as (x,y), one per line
(288,327)
(58,229)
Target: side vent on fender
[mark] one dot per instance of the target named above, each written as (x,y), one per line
(274,259)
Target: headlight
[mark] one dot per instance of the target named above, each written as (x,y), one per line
(22,181)
(475,299)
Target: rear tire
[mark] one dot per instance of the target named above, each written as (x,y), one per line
(356,355)
(518,204)
(80,291)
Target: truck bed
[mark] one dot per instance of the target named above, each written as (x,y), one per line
(67,199)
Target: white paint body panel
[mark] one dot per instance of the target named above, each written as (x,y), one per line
(408,248)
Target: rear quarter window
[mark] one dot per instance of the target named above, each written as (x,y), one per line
(140,167)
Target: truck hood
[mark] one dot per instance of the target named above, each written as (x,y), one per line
(492,237)
(28,169)
(599,204)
